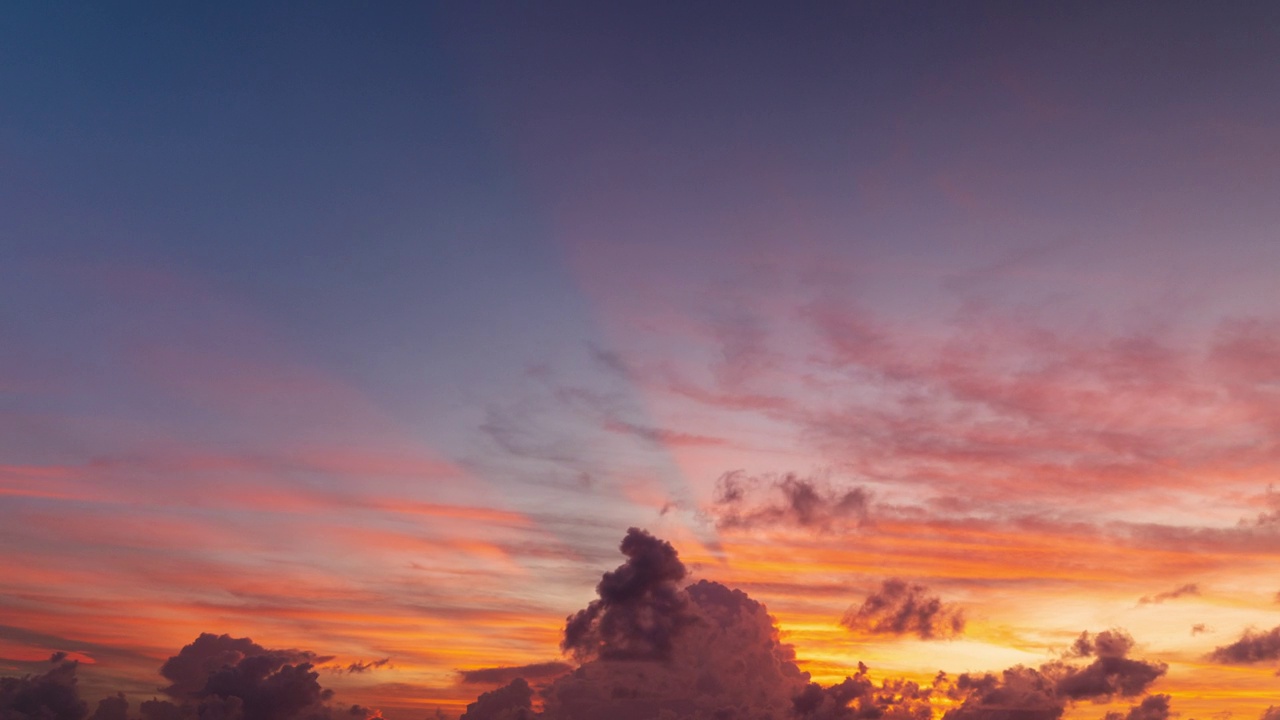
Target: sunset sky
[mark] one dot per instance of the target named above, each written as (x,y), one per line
(367,331)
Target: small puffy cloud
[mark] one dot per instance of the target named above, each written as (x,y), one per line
(1253,646)
(746,502)
(112,708)
(505,674)
(1188,589)
(899,608)
(1152,707)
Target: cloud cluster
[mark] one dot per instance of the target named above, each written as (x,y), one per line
(724,661)
(49,696)
(744,502)
(216,677)
(899,608)
(1044,693)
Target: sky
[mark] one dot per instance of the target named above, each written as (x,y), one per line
(345,346)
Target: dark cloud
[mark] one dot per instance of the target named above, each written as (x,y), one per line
(1252,647)
(50,696)
(1271,713)
(727,662)
(899,608)
(364,667)
(501,675)
(112,708)
(1111,673)
(858,698)
(1199,628)
(745,502)
(510,702)
(1022,693)
(1018,693)
(640,608)
(189,671)
(1188,589)
(1153,707)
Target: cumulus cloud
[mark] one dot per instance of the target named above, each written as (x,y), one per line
(746,502)
(899,608)
(1152,707)
(1022,693)
(725,661)
(1188,589)
(640,608)
(253,684)
(505,674)
(1253,646)
(510,702)
(49,696)
(189,671)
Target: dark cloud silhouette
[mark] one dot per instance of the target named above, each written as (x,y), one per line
(1188,589)
(899,608)
(1018,693)
(1111,673)
(1252,647)
(112,708)
(745,502)
(640,608)
(1271,713)
(49,696)
(727,662)
(510,702)
(501,675)
(857,697)
(190,669)
(1022,693)
(1153,707)
(364,667)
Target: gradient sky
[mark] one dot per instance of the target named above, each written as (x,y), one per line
(370,328)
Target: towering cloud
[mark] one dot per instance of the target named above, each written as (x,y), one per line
(898,608)
(640,608)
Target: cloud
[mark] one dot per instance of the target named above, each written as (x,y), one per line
(195,664)
(1252,647)
(1044,693)
(726,661)
(1153,707)
(1199,628)
(500,675)
(898,608)
(640,608)
(50,696)
(746,502)
(364,667)
(114,707)
(510,702)
(1188,589)
(858,697)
